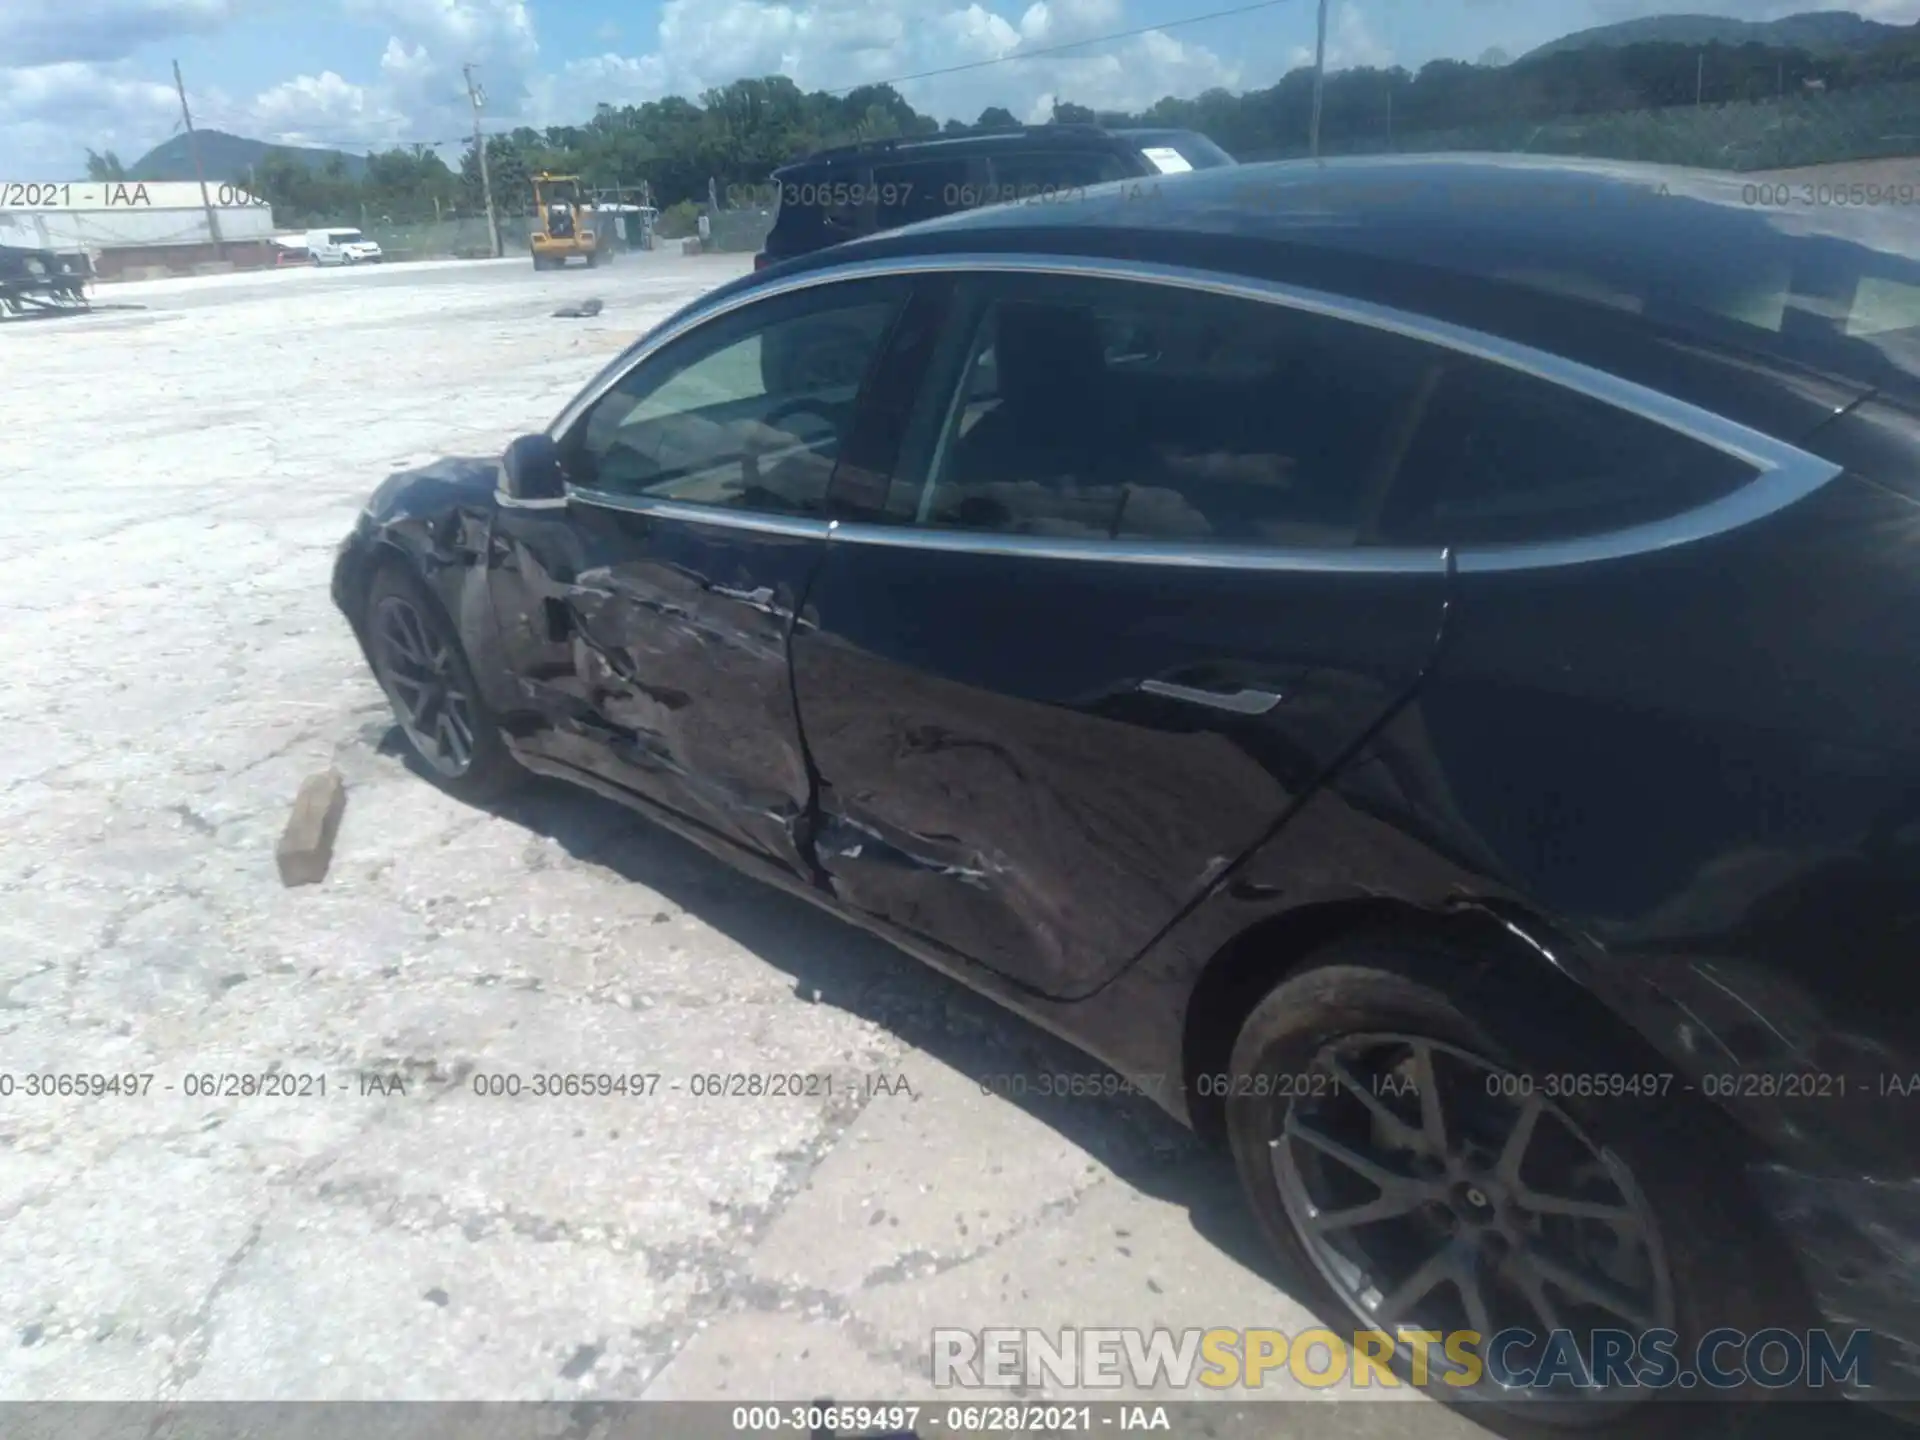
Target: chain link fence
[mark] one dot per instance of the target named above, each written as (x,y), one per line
(738,231)
(729,231)
(1813,128)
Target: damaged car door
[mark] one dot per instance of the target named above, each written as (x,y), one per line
(646,616)
(1113,615)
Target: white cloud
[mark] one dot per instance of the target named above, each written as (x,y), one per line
(320,109)
(43,107)
(416,90)
(841,43)
(47,32)
(1351,43)
(419,89)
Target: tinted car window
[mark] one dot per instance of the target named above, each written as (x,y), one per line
(920,190)
(1024,174)
(1104,409)
(819,207)
(1500,456)
(1175,150)
(747,412)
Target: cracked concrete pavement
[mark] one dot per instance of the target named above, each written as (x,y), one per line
(171,668)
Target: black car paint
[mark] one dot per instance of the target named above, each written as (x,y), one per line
(659,650)
(1685,785)
(1027,806)
(435,522)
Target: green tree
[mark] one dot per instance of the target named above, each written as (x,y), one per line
(105,167)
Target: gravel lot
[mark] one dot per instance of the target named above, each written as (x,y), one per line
(171,669)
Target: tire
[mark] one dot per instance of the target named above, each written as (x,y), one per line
(1705,1256)
(487,769)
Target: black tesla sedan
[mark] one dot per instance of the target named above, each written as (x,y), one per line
(1415,663)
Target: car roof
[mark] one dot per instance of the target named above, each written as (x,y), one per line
(1528,209)
(1546,246)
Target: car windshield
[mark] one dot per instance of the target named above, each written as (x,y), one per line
(345,237)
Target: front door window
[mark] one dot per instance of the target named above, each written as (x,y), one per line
(749,412)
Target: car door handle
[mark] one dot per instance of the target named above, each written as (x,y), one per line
(1237,702)
(761,599)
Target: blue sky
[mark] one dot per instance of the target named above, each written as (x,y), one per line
(364,73)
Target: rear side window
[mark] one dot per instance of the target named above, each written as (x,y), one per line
(1039,174)
(1106,409)
(921,190)
(819,207)
(1500,457)
(1184,151)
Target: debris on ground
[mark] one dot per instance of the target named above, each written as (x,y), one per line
(306,845)
(578,311)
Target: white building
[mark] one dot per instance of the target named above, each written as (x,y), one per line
(130,225)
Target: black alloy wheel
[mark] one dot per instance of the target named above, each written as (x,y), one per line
(1485,1208)
(418,662)
(1396,1131)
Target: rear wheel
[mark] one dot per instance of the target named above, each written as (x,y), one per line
(419,663)
(1418,1161)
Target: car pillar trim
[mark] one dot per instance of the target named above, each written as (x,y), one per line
(1796,476)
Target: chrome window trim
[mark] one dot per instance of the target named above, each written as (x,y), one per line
(1783,472)
(1772,490)
(1177,554)
(514,502)
(754,520)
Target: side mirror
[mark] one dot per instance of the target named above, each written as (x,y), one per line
(530,470)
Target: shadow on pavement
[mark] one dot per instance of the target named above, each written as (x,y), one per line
(834,962)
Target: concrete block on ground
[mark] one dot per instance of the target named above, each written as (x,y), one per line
(306,845)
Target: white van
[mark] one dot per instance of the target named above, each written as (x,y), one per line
(341,247)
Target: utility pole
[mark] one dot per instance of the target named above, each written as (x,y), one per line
(1319,82)
(1700,79)
(479,97)
(193,148)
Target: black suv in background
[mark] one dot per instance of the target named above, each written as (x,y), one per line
(859,190)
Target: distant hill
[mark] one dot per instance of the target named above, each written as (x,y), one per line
(228,156)
(1818,32)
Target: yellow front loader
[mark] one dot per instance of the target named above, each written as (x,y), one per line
(563,223)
